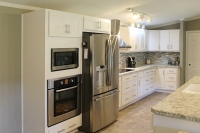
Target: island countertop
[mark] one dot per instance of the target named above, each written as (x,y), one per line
(180,105)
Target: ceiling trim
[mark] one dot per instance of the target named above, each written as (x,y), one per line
(163,25)
(6,4)
(189,19)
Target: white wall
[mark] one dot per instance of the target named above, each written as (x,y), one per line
(10,73)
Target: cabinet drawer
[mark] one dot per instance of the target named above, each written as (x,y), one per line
(147,72)
(140,74)
(170,77)
(148,79)
(151,87)
(126,78)
(126,98)
(129,86)
(133,95)
(170,85)
(152,78)
(146,89)
(170,70)
(67,125)
(134,76)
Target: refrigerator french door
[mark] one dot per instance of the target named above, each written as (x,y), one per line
(100,81)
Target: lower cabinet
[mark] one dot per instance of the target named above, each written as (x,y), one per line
(168,79)
(136,85)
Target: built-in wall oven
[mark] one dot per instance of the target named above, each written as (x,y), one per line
(64,58)
(64,99)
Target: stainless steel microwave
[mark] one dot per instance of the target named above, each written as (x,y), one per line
(64,58)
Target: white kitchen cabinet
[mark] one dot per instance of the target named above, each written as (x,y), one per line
(171,78)
(174,40)
(64,24)
(160,78)
(164,40)
(96,24)
(169,40)
(154,40)
(143,45)
(140,87)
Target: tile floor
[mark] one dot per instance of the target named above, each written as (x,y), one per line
(136,118)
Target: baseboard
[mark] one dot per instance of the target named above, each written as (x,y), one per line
(166,91)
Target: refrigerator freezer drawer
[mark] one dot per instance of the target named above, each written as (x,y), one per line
(105,110)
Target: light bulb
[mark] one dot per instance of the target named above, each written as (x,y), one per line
(135,15)
(141,17)
(149,19)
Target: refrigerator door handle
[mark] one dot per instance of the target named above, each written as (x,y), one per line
(108,82)
(106,96)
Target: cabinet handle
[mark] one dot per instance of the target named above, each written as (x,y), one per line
(133,85)
(163,73)
(171,77)
(72,125)
(151,86)
(61,131)
(171,46)
(171,86)
(147,80)
(133,95)
(67,28)
(147,89)
(127,88)
(127,78)
(139,82)
(99,24)
(126,98)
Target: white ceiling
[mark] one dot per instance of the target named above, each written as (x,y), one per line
(162,11)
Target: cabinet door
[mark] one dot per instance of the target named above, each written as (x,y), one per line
(90,23)
(133,39)
(104,25)
(64,25)
(174,40)
(125,34)
(140,87)
(73,24)
(142,40)
(160,78)
(154,40)
(164,40)
(146,43)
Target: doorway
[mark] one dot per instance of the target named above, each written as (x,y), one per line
(192,54)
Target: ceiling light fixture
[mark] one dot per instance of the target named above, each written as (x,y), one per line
(138,25)
(135,15)
(149,19)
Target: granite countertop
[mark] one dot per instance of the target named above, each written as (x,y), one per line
(180,105)
(148,67)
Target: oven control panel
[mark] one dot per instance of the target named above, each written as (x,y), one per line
(64,82)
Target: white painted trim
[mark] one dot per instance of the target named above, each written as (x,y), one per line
(22,88)
(189,19)
(18,6)
(166,91)
(162,25)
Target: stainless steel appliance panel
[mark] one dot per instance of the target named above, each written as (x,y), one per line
(104,110)
(99,52)
(113,68)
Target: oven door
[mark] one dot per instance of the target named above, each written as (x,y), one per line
(64,58)
(63,104)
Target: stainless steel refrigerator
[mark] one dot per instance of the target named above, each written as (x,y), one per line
(100,80)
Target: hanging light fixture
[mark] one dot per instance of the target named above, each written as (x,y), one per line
(141,17)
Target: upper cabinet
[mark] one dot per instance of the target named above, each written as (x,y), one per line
(96,25)
(135,37)
(154,40)
(64,24)
(169,40)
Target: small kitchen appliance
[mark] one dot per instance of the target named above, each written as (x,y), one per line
(64,58)
(131,62)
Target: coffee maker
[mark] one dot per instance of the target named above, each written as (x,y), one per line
(131,62)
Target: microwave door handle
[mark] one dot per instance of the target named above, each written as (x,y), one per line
(67,89)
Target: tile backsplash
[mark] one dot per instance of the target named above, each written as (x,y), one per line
(141,57)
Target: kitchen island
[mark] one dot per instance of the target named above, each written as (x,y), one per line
(178,111)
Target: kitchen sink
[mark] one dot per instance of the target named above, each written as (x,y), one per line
(192,89)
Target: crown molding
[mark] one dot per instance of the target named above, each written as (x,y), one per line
(18,6)
(163,25)
(189,19)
